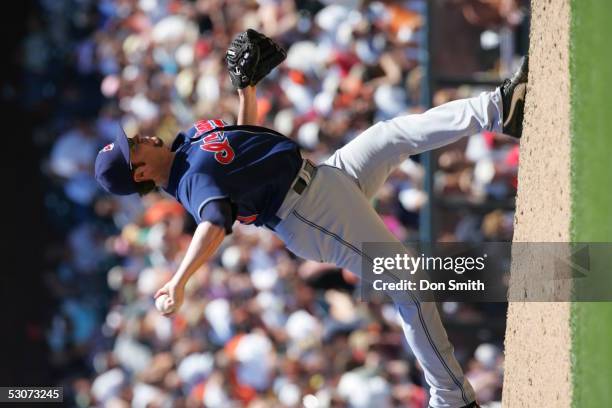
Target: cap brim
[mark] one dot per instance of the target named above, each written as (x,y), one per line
(124,146)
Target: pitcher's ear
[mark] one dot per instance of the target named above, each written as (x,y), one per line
(139,174)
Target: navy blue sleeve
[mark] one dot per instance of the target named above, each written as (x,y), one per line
(196,191)
(220,213)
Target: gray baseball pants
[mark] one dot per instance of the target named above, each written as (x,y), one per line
(333,217)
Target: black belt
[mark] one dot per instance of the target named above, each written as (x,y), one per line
(299,185)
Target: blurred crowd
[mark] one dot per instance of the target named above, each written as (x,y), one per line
(259,327)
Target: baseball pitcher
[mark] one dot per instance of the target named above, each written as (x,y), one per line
(222,173)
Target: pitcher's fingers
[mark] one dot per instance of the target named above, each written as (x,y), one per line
(162,291)
(169,313)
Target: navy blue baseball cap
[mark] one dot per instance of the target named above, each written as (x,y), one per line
(113,167)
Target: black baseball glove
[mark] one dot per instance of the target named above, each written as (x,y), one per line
(251,56)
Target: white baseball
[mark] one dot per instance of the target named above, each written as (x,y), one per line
(161,303)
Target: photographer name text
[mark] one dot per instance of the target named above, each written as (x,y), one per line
(424,284)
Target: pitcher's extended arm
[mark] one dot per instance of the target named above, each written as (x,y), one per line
(206,239)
